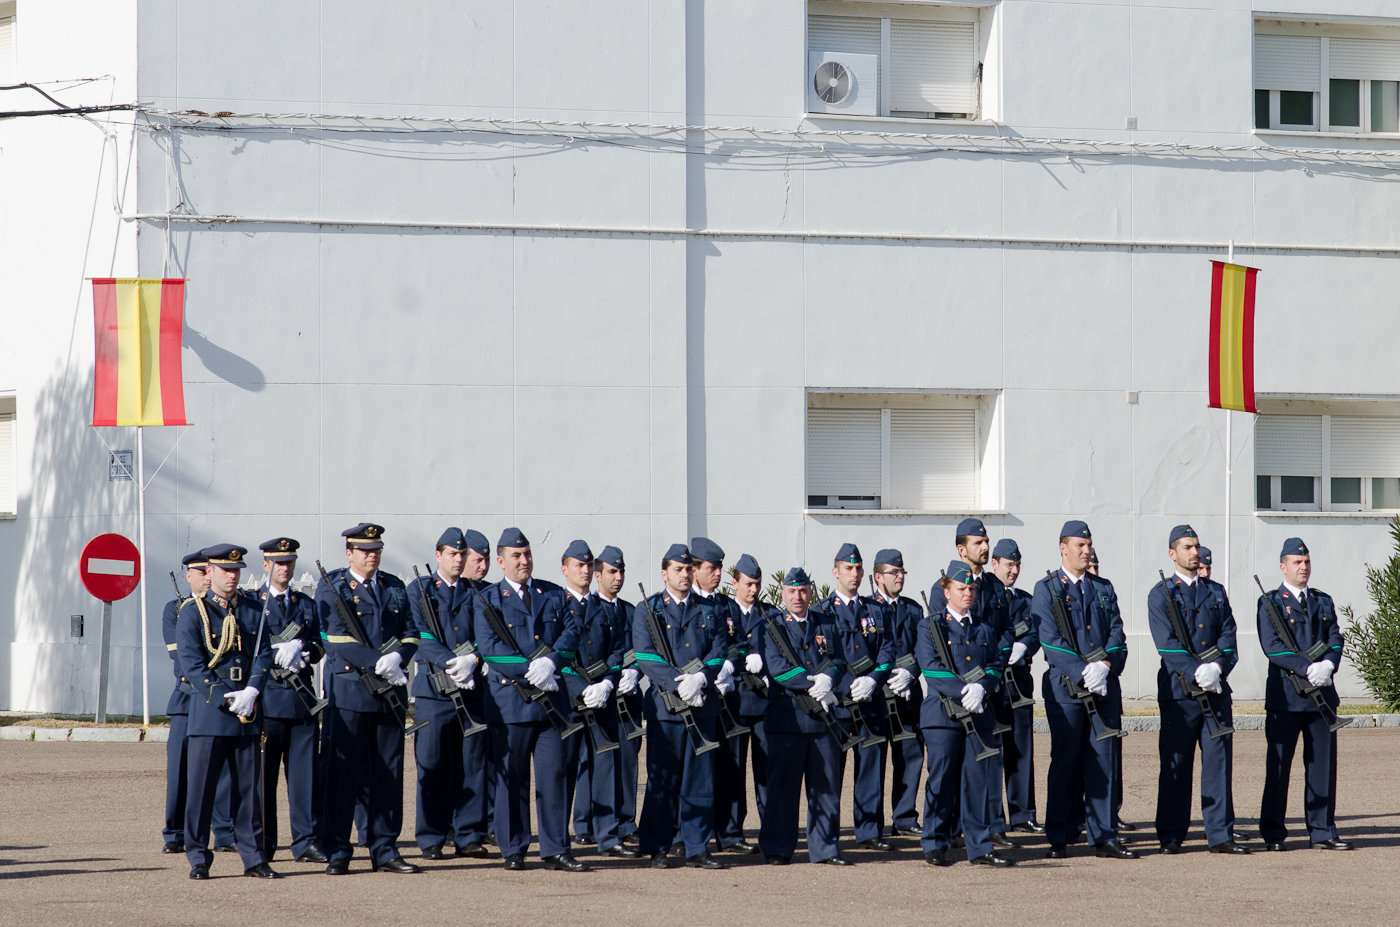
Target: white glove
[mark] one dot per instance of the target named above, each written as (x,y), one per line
(389,664)
(900,680)
(1095,675)
(540,674)
(1320,673)
(461,670)
(243,701)
(821,690)
(862,687)
(724,681)
(629,681)
(1208,676)
(972,695)
(287,653)
(753,663)
(1018,650)
(689,688)
(596,695)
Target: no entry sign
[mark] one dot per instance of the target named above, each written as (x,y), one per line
(110,567)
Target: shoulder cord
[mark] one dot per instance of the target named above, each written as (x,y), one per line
(228,634)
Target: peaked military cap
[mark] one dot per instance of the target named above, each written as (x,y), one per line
(1179,532)
(513,537)
(849,553)
(477,541)
(890,557)
(365,536)
(1075,529)
(1006,549)
(579,551)
(280,550)
(706,551)
(1294,547)
(196,560)
(613,557)
(959,572)
(453,538)
(797,577)
(1205,556)
(971,527)
(228,556)
(679,553)
(748,566)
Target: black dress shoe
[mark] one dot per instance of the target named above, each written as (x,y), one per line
(659,860)
(957,843)
(623,852)
(173,846)
(743,848)
(515,862)
(226,848)
(876,843)
(1331,845)
(199,872)
(433,852)
(261,871)
(1125,825)
(1004,842)
(397,864)
(1029,827)
(906,832)
(1114,849)
(473,850)
(1057,851)
(1275,846)
(338,867)
(937,858)
(564,862)
(631,839)
(678,847)
(1230,846)
(778,860)
(585,840)
(837,861)
(993,859)
(491,838)
(703,861)
(1173,848)
(313,854)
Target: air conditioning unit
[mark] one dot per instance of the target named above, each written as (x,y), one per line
(838,82)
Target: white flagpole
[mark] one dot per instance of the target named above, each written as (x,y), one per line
(141,586)
(1229,464)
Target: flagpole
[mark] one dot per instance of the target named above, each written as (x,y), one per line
(141,548)
(1229,463)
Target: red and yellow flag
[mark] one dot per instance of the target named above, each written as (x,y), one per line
(138,325)
(1232,336)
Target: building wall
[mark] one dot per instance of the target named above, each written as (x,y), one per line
(638,388)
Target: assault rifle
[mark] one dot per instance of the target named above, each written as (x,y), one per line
(314,702)
(595,672)
(1076,687)
(1210,655)
(1018,699)
(898,731)
(953,708)
(528,693)
(438,677)
(1316,652)
(625,721)
(859,668)
(805,703)
(672,700)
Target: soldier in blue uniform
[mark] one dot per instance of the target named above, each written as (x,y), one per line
(542,638)
(222,648)
(474,570)
(178,708)
(902,616)
(1206,617)
(452,768)
(1018,747)
(610,573)
(1312,617)
(592,776)
(367,736)
(747,614)
(801,747)
(289,727)
(1082,768)
(869,649)
(1203,570)
(680,785)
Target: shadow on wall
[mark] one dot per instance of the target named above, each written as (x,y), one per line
(224,364)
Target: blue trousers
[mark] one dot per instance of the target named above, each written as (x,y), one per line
(1017,760)
(753,752)
(366,766)
(452,777)
(731,792)
(1183,727)
(177,786)
(627,768)
(207,758)
(906,766)
(291,745)
(594,789)
(868,791)
(792,760)
(1083,770)
(1281,730)
(680,789)
(960,791)
(513,746)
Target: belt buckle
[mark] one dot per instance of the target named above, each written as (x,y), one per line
(235,673)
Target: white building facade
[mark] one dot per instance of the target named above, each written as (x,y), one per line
(785,274)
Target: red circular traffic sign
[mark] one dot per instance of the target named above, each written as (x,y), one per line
(110,567)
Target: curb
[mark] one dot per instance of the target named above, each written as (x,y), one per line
(1150,723)
(95,735)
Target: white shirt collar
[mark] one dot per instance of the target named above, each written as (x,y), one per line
(513,584)
(844,600)
(743,610)
(682,602)
(960,619)
(602,595)
(800,619)
(577,596)
(272,591)
(446,580)
(1188,580)
(696,590)
(1066,574)
(357,577)
(1297,592)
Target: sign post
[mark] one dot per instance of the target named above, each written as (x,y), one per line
(110,567)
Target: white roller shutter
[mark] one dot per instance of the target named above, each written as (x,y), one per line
(932,458)
(1288,445)
(854,34)
(7,50)
(933,66)
(1365,446)
(1364,59)
(7,464)
(843,452)
(1288,62)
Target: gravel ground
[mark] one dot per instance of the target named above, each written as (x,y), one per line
(80,839)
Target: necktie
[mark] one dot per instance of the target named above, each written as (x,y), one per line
(525,595)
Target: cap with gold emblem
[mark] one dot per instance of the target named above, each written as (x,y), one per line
(365,536)
(228,556)
(280,550)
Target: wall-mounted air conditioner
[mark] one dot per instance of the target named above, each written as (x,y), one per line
(838,82)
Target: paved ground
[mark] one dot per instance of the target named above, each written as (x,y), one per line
(79,844)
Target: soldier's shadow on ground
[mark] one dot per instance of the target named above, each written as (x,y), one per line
(41,873)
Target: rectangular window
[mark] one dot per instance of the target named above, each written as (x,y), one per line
(1261,109)
(1325,77)
(1385,106)
(1345,103)
(1330,463)
(7,44)
(7,456)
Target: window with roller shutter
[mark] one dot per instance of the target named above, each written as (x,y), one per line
(1330,463)
(8,500)
(1329,77)
(7,46)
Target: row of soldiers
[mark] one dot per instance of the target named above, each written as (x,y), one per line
(524,675)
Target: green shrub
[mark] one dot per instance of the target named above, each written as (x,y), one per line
(1373,642)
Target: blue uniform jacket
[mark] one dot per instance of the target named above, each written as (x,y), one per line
(598,639)
(865,634)
(545,623)
(1319,624)
(750,633)
(455,609)
(279,699)
(245,665)
(384,616)
(179,703)
(1205,609)
(1096,623)
(1019,610)
(693,632)
(980,644)
(813,641)
(990,604)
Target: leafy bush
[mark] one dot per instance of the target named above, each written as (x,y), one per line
(1373,642)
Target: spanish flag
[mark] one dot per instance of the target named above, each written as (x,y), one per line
(138,325)
(1232,337)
